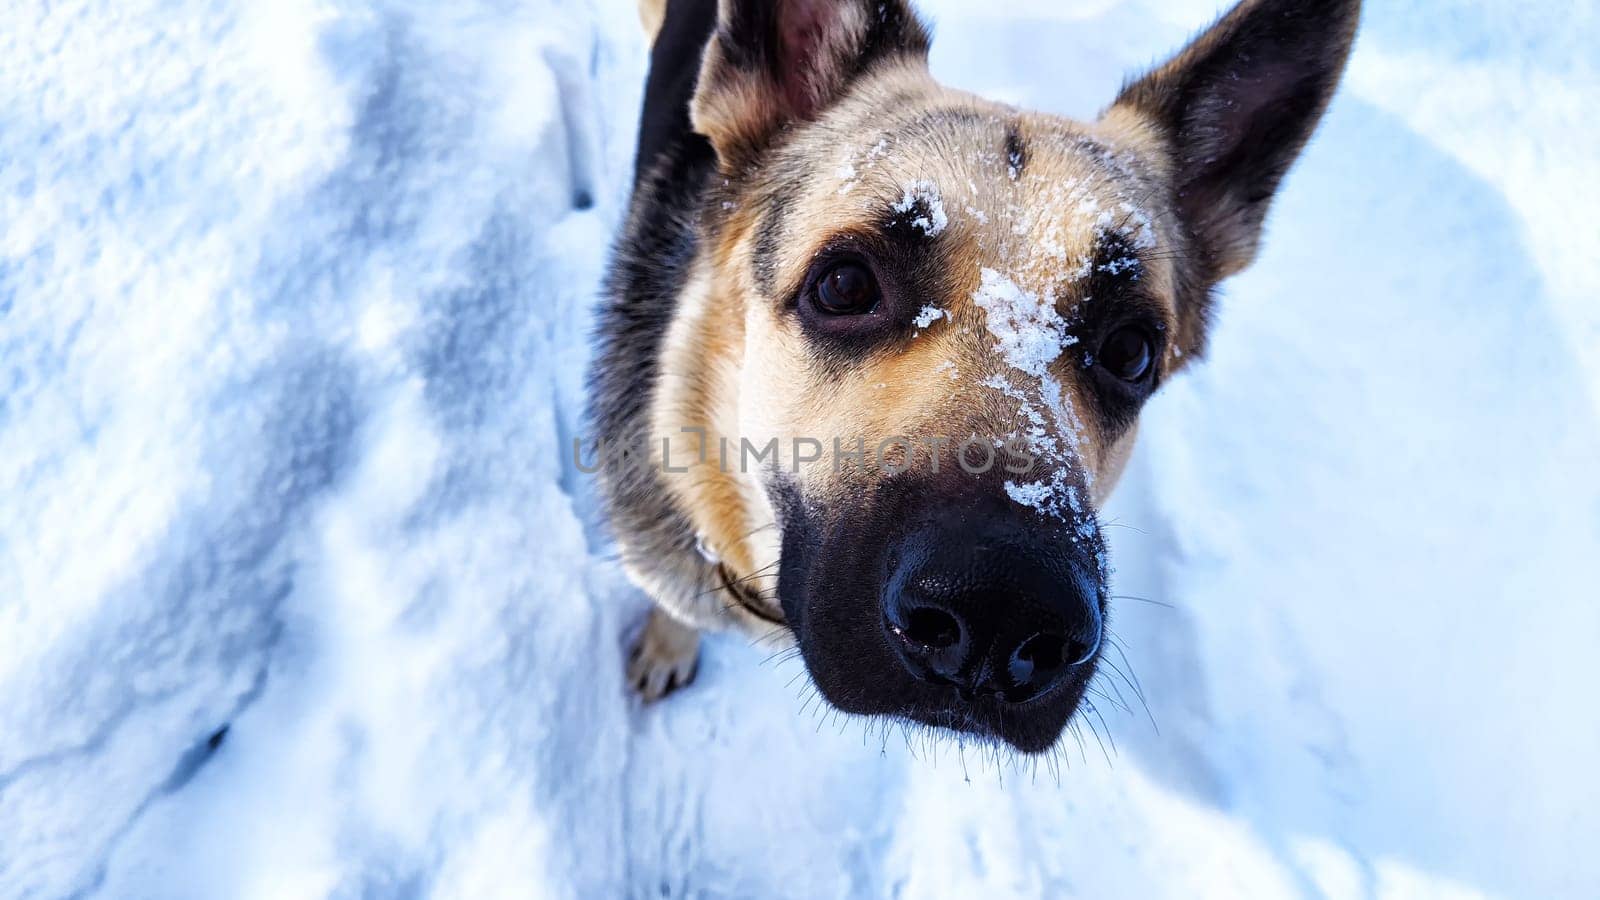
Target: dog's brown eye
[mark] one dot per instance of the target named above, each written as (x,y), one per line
(847,288)
(1127,353)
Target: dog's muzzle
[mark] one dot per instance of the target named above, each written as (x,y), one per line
(942,601)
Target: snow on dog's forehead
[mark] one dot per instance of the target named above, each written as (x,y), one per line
(1037,201)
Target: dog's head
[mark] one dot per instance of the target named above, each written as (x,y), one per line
(948,313)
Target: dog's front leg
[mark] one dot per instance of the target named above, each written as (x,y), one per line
(665,658)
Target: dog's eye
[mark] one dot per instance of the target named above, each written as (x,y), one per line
(847,289)
(1127,353)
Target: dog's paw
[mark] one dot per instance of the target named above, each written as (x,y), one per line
(665,658)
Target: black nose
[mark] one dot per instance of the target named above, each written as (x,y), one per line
(990,615)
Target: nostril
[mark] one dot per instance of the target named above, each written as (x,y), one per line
(931,628)
(1036,664)
(1039,658)
(1080,652)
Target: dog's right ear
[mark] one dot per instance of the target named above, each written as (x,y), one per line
(773,63)
(1237,105)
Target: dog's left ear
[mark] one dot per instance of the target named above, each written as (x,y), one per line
(1237,105)
(773,63)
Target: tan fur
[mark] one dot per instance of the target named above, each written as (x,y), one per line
(652,13)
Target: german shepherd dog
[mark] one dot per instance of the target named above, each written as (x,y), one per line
(874,350)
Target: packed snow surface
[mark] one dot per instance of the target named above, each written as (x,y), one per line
(301,594)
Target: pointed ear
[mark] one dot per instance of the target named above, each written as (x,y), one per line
(773,63)
(1237,105)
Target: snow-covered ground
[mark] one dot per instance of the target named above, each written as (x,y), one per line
(293,317)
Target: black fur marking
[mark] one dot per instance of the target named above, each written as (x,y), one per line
(1115,267)
(749,37)
(649,268)
(674,67)
(1111,297)
(769,235)
(648,272)
(910,225)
